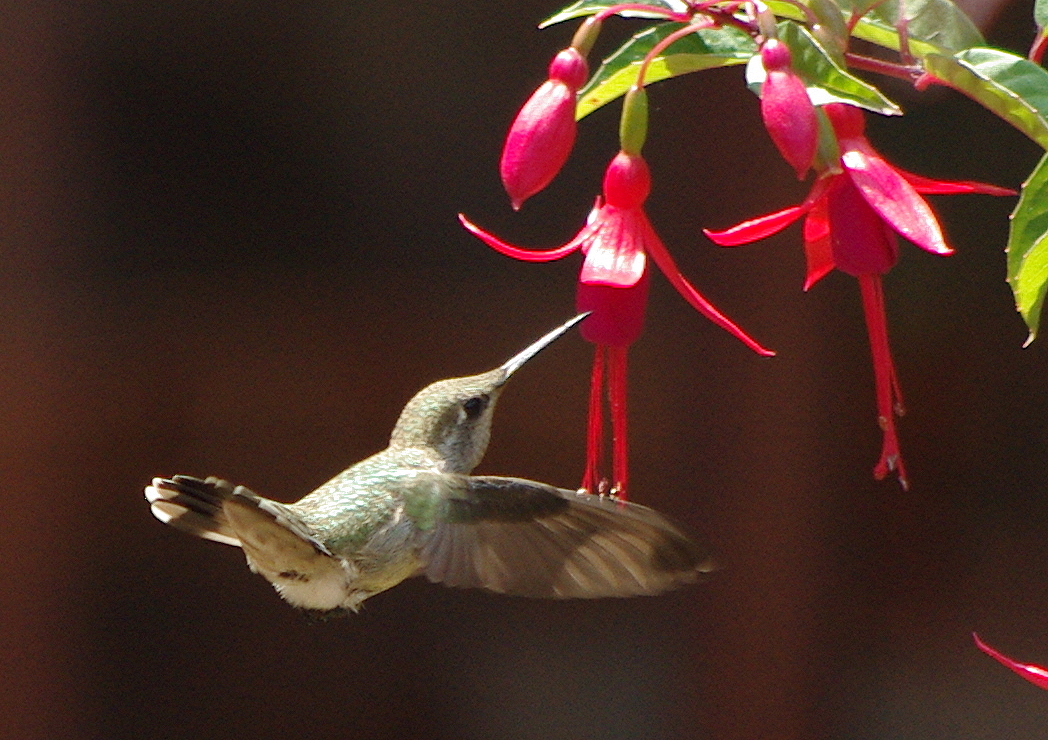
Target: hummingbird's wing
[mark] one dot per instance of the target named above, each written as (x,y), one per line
(523,538)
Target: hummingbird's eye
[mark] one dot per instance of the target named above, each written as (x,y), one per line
(475,406)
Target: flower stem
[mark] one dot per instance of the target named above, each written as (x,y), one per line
(809,14)
(661,46)
(889,397)
(1038,47)
(906,72)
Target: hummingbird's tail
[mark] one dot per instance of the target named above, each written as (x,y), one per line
(279,546)
(194,506)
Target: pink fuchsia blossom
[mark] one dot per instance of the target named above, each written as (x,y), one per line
(1035,674)
(543,133)
(786,109)
(617,242)
(852,216)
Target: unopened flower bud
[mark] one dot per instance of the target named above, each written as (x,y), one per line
(569,67)
(848,121)
(788,113)
(543,133)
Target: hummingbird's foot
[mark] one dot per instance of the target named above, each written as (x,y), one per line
(319,616)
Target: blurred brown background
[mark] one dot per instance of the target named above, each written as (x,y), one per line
(228,246)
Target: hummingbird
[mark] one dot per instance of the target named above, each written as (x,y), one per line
(414,509)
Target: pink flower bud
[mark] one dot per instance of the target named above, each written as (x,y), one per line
(569,67)
(848,121)
(618,313)
(786,108)
(543,133)
(627,181)
(775,56)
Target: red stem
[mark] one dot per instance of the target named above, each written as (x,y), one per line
(902,26)
(856,16)
(809,14)
(1038,47)
(661,46)
(879,66)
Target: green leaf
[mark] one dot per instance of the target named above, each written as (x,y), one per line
(1028,247)
(827,82)
(1040,13)
(934,25)
(592,7)
(831,31)
(1014,88)
(704,49)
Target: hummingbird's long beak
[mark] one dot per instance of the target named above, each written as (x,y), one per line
(513,364)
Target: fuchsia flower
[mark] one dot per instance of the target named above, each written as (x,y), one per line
(617,241)
(786,108)
(543,133)
(853,213)
(1033,673)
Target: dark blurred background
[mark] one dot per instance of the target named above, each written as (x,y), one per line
(228,246)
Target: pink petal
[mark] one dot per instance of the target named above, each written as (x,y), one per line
(615,249)
(818,250)
(1033,673)
(616,314)
(861,241)
(519,253)
(669,268)
(756,228)
(950,187)
(894,199)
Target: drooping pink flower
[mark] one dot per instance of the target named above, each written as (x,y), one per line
(617,241)
(853,213)
(786,109)
(543,133)
(1035,674)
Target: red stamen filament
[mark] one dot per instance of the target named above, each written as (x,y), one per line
(617,401)
(592,481)
(889,397)
(595,427)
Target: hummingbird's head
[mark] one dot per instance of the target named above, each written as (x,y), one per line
(453,417)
